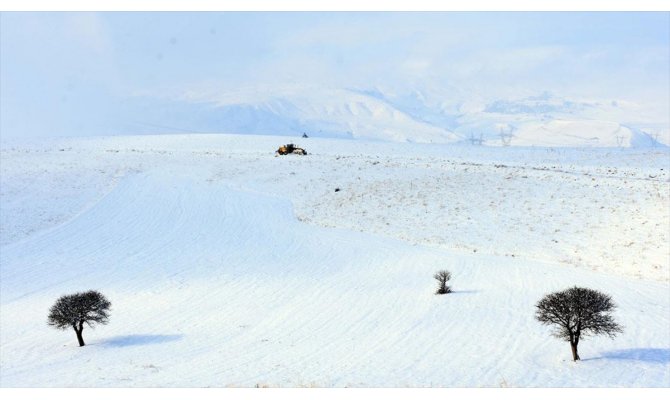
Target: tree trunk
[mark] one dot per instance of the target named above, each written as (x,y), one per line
(80,338)
(575,355)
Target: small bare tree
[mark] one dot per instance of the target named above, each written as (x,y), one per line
(442,277)
(78,309)
(578,312)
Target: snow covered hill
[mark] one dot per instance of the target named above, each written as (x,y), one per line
(227,266)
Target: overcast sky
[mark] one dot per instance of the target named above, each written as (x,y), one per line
(67,73)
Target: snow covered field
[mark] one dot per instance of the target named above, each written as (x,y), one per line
(227,266)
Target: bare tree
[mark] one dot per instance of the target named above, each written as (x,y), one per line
(78,309)
(578,312)
(442,277)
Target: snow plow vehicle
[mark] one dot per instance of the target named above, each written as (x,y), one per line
(290,149)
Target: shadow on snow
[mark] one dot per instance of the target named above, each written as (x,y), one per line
(138,340)
(650,355)
(463,291)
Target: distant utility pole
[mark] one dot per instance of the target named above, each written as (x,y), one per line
(619,141)
(505,138)
(476,141)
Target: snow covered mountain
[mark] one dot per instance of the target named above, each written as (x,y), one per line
(322,112)
(421,116)
(547,120)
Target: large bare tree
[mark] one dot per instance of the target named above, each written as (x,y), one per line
(78,309)
(578,312)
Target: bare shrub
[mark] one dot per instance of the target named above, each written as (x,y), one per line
(442,277)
